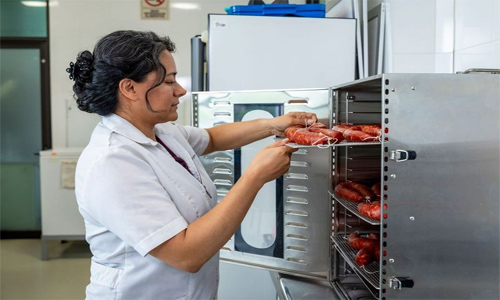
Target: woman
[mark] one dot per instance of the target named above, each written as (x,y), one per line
(149,206)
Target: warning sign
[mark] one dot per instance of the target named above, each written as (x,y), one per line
(154,9)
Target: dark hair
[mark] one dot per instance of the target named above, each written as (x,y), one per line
(118,55)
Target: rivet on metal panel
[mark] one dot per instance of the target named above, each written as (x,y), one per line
(393,175)
(393,89)
(391,260)
(413,88)
(412,218)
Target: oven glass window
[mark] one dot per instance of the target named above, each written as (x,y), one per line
(261,232)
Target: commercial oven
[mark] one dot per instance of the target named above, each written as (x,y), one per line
(437,161)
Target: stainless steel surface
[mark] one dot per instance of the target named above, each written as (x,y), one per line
(290,287)
(306,204)
(441,236)
(197,64)
(442,228)
(480,70)
(341,144)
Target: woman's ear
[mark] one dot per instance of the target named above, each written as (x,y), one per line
(127,88)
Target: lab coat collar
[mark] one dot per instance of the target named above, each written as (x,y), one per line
(123,127)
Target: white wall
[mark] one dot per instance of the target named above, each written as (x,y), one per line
(439,36)
(445,36)
(77,25)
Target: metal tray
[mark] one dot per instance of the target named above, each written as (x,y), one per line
(341,144)
(353,208)
(370,272)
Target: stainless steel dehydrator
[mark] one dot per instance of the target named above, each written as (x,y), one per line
(438,163)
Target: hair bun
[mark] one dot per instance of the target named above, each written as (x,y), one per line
(82,69)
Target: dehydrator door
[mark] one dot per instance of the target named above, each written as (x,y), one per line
(441,186)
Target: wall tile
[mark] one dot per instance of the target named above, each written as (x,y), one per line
(444,63)
(414,63)
(474,22)
(464,60)
(445,26)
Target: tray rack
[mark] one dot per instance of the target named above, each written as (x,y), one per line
(353,208)
(370,272)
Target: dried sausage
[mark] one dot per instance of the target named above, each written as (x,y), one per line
(345,191)
(344,127)
(363,190)
(376,189)
(354,191)
(358,242)
(352,237)
(364,257)
(305,137)
(358,136)
(370,210)
(336,136)
(373,130)
(290,132)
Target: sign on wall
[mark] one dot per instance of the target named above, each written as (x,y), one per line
(154,9)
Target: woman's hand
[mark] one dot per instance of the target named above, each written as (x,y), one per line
(279,124)
(270,163)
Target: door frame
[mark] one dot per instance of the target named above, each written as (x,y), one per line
(43,45)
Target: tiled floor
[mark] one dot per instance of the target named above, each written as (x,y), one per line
(25,276)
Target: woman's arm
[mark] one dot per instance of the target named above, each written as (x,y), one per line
(192,248)
(235,135)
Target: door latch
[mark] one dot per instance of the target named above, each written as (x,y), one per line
(400,282)
(402,155)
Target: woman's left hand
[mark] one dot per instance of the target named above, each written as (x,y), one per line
(279,124)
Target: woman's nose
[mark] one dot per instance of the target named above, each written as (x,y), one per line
(180,91)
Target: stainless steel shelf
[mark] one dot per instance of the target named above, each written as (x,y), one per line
(370,272)
(341,144)
(353,208)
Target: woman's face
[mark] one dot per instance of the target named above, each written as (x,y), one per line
(164,98)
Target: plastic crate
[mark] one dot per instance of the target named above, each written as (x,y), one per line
(299,10)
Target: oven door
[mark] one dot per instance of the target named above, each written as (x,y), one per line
(288,227)
(441,234)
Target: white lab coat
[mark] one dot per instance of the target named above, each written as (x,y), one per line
(134,196)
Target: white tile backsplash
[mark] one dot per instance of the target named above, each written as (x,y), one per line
(414,63)
(466,60)
(444,63)
(474,22)
(445,26)
(469,61)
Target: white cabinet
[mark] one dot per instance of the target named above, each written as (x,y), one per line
(60,217)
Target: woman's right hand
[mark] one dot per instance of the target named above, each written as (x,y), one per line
(271,162)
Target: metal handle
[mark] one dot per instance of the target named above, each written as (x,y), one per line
(400,282)
(480,70)
(298,101)
(403,155)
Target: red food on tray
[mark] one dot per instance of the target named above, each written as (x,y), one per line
(373,130)
(354,191)
(360,133)
(316,134)
(376,189)
(358,136)
(369,247)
